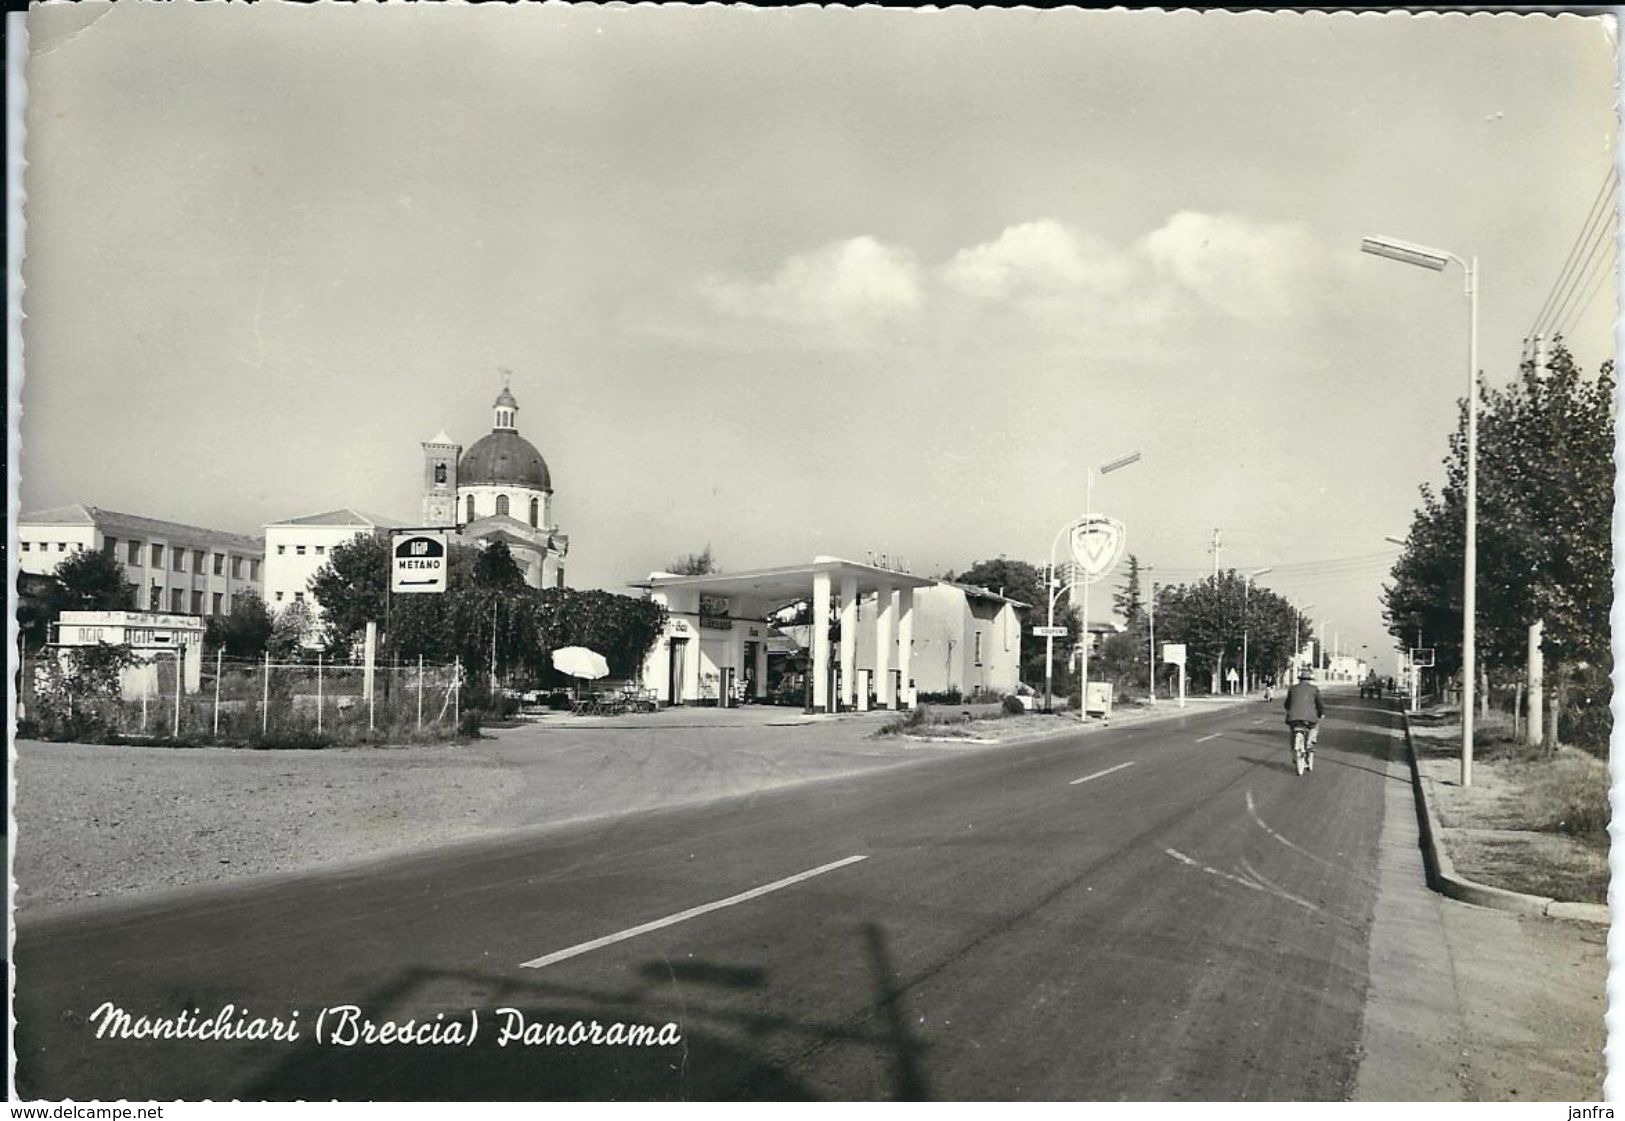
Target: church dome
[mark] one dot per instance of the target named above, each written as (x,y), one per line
(504,458)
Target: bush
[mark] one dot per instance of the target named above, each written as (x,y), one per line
(951,697)
(911,720)
(469,724)
(293,739)
(1012,706)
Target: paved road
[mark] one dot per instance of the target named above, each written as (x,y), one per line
(1161,911)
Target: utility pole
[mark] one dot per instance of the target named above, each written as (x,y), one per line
(1151,625)
(1214,549)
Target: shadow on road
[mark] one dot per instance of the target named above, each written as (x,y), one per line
(731,1048)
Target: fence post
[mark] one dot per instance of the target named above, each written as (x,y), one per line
(219,657)
(180,677)
(146,687)
(318,691)
(457,692)
(420,692)
(265,700)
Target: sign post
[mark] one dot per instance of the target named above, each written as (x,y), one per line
(1097,546)
(417,561)
(1174,653)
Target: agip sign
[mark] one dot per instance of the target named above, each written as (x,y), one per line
(418,562)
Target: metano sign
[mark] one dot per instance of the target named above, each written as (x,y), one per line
(417,561)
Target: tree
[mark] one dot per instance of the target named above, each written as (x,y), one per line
(695,564)
(1208,617)
(93,581)
(352,589)
(245,632)
(289,632)
(1128,602)
(1545,485)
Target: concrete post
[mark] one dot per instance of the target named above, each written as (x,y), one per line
(905,645)
(849,641)
(885,617)
(820,642)
(1535,730)
(761,670)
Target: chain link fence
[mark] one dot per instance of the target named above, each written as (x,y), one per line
(251,699)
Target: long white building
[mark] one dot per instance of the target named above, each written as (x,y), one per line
(176,568)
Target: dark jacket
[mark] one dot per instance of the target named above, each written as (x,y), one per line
(1303,703)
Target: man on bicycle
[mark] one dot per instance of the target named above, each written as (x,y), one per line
(1304,706)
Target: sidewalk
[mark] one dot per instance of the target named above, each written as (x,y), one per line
(1469,1004)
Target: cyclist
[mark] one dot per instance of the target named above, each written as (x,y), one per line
(1304,706)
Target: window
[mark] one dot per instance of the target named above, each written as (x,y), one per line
(281,549)
(535,512)
(197,561)
(134,555)
(299,597)
(237,566)
(300,549)
(26,546)
(216,608)
(197,603)
(110,547)
(157,555)
(155,598)
(279,597)
(61,546)
(175,604)
(440,474)
(254,569)
(502,504)
(179,556)
(321,550)
(470,515)
(978,647)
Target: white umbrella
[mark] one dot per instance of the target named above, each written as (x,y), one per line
(578,661)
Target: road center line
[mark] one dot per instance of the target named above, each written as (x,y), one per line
(1099,774)
(682,916)
(1214,736)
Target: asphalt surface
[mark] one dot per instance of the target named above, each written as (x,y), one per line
(1162,911)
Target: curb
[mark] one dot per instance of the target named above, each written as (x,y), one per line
(1443,877)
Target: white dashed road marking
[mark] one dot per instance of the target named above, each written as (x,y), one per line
(1099,774)
(692,912)
(1214,736)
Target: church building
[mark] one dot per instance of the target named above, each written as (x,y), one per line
(498,490)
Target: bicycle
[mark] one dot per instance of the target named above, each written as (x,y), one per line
(1303,744)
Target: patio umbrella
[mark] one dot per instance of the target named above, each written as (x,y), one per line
(578,661)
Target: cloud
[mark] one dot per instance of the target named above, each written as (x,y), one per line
(851,284)
(1249,269)
(1044,256)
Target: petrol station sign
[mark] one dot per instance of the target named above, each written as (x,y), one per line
(418,561)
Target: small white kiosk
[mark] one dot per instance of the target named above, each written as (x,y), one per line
(151,636)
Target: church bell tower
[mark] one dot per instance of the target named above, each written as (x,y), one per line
(440,457)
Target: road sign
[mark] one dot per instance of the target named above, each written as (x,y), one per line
(1173,653)
(418,561)
(1422,656)
(1097,546)
(1049,632)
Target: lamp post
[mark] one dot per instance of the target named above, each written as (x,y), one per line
(1079,577)
(1246,587)
(1151,633)
(1436,259)
(1297,634)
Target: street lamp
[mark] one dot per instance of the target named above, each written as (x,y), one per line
(1054,588)
(1246,586)
(1436,259)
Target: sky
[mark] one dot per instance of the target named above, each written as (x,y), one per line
(792,282)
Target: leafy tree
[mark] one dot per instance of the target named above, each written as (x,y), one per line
(1209,618)
(496,568)
(1013,578)
(695,564)
(93,581)
(1545,495)
(245,632)
(352,589)
(289,632)
(1025,582)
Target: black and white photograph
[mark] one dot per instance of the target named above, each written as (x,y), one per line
(657,553)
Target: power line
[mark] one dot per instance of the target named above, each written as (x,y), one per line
(1557,285)
(1596,243)
(1598,271)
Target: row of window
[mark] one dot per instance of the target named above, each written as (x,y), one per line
(177,601)
(299,597)
(299,550)
(471,511)
(200,558)
(45,546)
